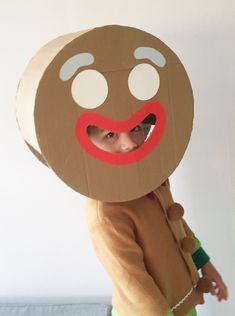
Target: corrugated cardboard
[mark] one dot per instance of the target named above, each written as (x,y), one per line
(57,120)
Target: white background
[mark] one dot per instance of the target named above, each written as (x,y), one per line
(44,245)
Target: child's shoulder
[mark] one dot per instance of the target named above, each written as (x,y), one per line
(100,210)
(103,212)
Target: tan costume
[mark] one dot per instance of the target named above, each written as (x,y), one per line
(142,250)
(116,78)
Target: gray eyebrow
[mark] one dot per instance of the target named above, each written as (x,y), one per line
(150,53)
(72,64)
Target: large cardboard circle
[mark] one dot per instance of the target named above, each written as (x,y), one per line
(56,113)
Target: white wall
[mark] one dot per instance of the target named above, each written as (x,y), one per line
(44,246)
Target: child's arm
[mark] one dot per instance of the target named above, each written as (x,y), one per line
(115,245)
(219,289)
(202,261)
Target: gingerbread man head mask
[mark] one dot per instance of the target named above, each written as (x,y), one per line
(114,78)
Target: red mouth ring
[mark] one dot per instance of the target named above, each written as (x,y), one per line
(90,118)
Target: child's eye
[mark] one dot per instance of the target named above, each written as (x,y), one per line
(110,135)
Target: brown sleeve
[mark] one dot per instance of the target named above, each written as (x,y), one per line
(122,257)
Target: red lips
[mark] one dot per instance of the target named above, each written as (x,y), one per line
(123,126)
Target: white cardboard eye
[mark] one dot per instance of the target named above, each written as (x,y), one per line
(89,89)
(143,81)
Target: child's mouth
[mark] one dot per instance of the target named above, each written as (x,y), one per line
(152,113)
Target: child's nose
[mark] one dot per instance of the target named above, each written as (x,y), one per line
(127,144)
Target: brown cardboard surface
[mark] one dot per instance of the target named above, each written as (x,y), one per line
(56,112)
(28,85)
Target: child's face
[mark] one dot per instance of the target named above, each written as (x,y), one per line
(117,142)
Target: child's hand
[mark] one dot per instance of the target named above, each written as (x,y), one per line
(218,286)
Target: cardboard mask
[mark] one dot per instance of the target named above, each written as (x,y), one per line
(113,77)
